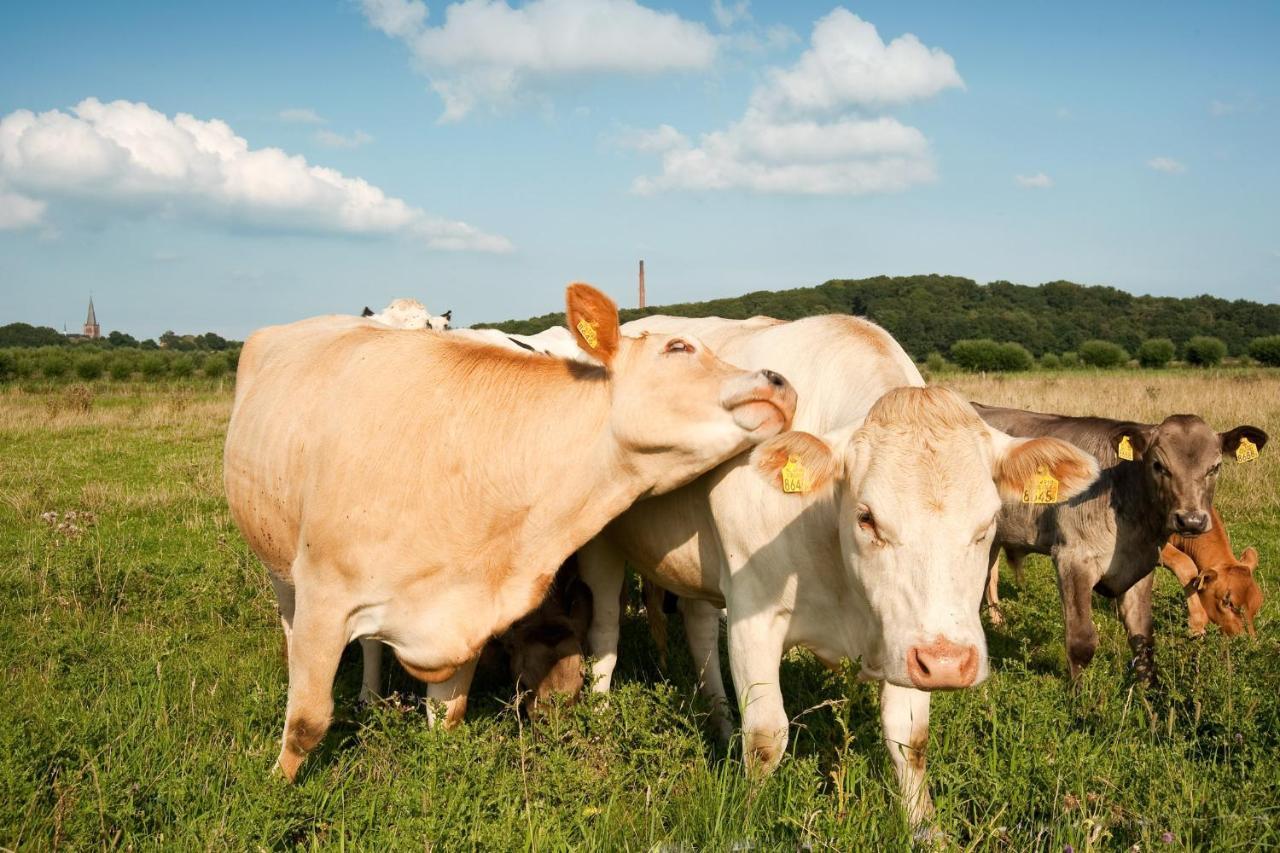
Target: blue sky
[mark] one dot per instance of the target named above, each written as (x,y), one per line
(734,147)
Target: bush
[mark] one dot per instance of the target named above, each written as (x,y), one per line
(54,365)
(182,367)
(1156,352)
(215,366)
(90,368)
(154,366)
(1204,351)
(1070,361)
(1050,361)
(121,367)
(1102,354)
(1266,350)
(8,366)
(987,355)
(935,364)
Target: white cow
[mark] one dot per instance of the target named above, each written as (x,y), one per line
(409,314)
(422,489)
(882,555)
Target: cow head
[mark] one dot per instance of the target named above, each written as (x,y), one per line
(442,323)
(917,489)
(676,407)
(1180,458)
(1230,596)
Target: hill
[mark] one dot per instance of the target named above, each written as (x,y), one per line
(928,313)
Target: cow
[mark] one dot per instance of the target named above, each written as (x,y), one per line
(1157,480)
(1220,587)
(862,533)
(409,314)
(422,489)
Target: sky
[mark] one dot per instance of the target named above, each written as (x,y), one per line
(220,167)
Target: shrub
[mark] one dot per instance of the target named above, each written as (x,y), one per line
(8,366)
(233,359)
(1204,351)
(215,366)
(1050,361)
(986,354)
(54,365)
(1266,350)
(935,363)
(121,367)
(1156,352)
(90,368)
(1102,354)
(154,366)
(182,367)
(1070,360)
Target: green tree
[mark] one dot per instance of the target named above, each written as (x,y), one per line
(214,366)
(8,366)
(182,366)
(54,365)
(154,366)
(27,335)
(1050,361)
(121,339)
(1156,352)
(1266,350)
(1102,354)
(90,367)
(987,355)
(1205,351)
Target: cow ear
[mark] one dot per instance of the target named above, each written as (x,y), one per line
(593,320)
(448,315)
(796,462)
(1249,559)
(367,312)
(1204,579)
(1020,462)
(1232,439)
(1129,441)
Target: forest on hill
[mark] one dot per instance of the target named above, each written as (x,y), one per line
(929,313)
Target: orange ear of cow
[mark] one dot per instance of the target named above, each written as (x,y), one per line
(815,461)
(593,320)
(1074,469)
(1249,559)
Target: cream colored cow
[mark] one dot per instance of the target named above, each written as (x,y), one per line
(422,489)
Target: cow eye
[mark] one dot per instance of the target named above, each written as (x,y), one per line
(1159,468)
(678,345)
(1213,472)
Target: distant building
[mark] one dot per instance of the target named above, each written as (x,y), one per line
(92,330)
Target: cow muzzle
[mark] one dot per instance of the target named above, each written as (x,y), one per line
(1191,523)
(763,403)
(942,665)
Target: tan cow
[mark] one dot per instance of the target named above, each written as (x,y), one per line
(422,489)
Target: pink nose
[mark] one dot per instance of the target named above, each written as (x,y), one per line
(942,665)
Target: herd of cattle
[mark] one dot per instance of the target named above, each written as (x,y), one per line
(432,490)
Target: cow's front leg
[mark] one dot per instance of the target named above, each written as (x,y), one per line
(316,642)
(702,630)
(1135,613)
(1076,577)
(993,592)
(755,657)
(371,674)
(904,719)
(452,693)
(603,570)
(1185,570)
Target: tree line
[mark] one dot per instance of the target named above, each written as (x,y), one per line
(930,314)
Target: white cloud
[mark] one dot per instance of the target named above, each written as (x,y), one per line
(728,14)
(337,140)
(18,211)
(1221,108)
(1166,164)
(848,65)
(1038,181)
(486,52)
(130,157)
(806,131)
(300,115)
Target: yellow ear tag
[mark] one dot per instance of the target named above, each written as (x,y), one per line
(794,479)
(1125,449)
(1043,488)
(588,331)
(1246,451)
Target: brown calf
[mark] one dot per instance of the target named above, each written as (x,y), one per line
(1220,588)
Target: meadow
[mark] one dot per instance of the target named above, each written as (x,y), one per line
(143,683)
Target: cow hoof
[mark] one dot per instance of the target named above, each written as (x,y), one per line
(995,617)
(928,835)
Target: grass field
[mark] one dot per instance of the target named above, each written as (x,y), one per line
(143,685)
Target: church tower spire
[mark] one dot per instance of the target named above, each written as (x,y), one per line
(92,330)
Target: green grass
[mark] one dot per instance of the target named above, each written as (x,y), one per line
(143,694)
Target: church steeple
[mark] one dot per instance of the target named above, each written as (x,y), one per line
(92,330)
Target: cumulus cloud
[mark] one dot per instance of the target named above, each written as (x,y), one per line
(1167,164)
(300,115)
(336,140)
(1038,181)
(486,52)
(130,157)
(728,14)
(19,211)
(806,130)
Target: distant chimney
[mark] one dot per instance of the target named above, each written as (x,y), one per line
(642,284)
(92,330)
